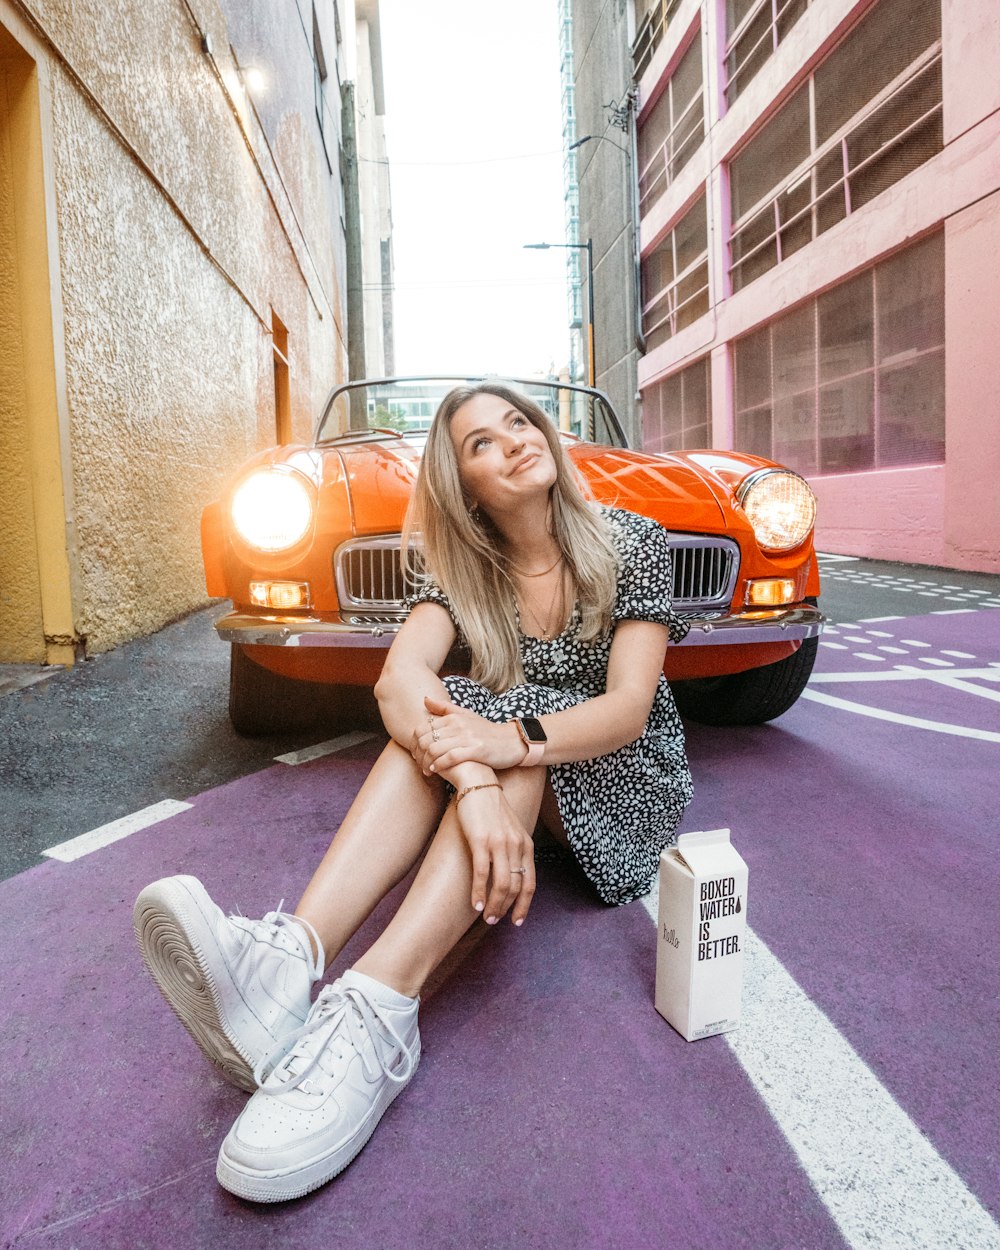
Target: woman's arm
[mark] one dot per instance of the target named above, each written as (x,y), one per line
(596,727)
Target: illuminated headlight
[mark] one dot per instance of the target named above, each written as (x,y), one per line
(780,507)
(272,510)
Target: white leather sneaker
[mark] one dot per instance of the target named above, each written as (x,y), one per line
(322,1101)
(238,986)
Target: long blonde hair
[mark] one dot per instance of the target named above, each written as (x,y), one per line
(462,552)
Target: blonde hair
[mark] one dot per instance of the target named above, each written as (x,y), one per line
(462,551)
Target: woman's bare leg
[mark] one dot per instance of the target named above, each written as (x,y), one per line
(383,835)
(437,909)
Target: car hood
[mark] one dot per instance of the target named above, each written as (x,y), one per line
(379,478)
(662,487)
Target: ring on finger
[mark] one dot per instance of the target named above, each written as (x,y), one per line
(519,870)
(435,734)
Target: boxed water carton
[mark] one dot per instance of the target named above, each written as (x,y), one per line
(702,933)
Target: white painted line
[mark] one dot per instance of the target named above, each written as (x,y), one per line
(949,679)
(874,620)
(881,1180)
(880,633)
(324,748)
(865,655)
(916,722)
(837,559)
(104,835)
(894,650)
(907,672)
(913,642)
(929,659)
(959,655)
(950,611)
(856,638)
(836,646)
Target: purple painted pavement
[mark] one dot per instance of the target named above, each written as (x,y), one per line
(873,877)
(553,1106)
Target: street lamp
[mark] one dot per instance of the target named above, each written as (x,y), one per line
(587,247)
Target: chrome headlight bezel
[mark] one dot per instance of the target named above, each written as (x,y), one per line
(272,509)
(782,530)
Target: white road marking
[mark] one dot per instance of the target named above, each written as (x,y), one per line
(104,835)
(836,646)
(880,633)
(857,638)
(907,672)
(949,679)
(914,642)
(959,655)
(837,559)
(864,655)
(897,718)
(874,620)
(951,611)
(894,650)
(323,748)
(929,659)
(881,1180)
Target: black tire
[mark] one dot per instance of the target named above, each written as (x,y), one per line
(262,703)
(749,698)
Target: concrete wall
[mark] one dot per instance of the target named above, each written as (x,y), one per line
(181,210)
(602,72)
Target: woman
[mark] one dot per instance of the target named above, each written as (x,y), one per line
(565,722)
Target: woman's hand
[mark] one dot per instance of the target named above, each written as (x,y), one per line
(500,847)
(453,735)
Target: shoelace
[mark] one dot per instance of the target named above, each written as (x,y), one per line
(337,1006)
(291,927)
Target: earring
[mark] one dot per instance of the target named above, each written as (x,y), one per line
(475,516)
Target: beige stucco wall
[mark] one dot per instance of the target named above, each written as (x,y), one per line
(180,224)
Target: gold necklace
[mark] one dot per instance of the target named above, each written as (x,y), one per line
(558,589)
(522,573)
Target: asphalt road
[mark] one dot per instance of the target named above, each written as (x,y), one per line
(148,722)
(854,1108)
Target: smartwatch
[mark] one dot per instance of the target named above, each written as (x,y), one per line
(533,737)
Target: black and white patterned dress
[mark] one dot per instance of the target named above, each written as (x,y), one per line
(619,810)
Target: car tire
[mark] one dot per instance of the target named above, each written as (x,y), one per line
(749,698)
(262,703)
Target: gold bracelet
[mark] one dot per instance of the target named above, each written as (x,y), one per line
(486,785)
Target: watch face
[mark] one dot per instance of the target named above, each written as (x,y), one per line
(533,729)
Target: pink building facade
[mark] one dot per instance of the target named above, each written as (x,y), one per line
(819,205)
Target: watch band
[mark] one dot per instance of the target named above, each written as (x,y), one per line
(536,747)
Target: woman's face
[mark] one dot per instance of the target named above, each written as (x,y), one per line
(503,460)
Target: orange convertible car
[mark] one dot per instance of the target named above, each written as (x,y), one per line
(305,542)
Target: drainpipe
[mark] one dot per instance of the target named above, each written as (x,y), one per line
(352,228)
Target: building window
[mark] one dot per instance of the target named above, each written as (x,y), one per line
(282,389)
(868,115)
(652,17)
(671,133)
(853,380)
(754,29)
(677,412)
(675,278)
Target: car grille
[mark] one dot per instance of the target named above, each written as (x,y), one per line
(369,577)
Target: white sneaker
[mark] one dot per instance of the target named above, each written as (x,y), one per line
(317,1108)
(238,986)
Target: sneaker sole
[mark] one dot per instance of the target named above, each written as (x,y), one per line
(165,915)
(281,1186)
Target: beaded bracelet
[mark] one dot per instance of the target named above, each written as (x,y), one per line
(486,785)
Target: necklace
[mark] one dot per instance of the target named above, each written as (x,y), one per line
(558,589)
(522,573)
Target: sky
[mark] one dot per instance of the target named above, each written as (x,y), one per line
(474,136)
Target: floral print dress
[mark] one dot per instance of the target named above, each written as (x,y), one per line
(619,810)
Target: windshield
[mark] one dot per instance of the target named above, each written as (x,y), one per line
(407,406)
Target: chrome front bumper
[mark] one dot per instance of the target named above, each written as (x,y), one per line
(757,626)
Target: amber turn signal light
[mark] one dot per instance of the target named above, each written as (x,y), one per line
(283,595)
(770,592)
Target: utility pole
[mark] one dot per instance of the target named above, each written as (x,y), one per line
(352,227)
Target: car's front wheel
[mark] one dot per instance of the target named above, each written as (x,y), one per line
(749,698)
(263,703)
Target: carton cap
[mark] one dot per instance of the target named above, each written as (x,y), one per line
(706,852)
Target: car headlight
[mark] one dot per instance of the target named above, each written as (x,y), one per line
(272,510)
(780,507)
